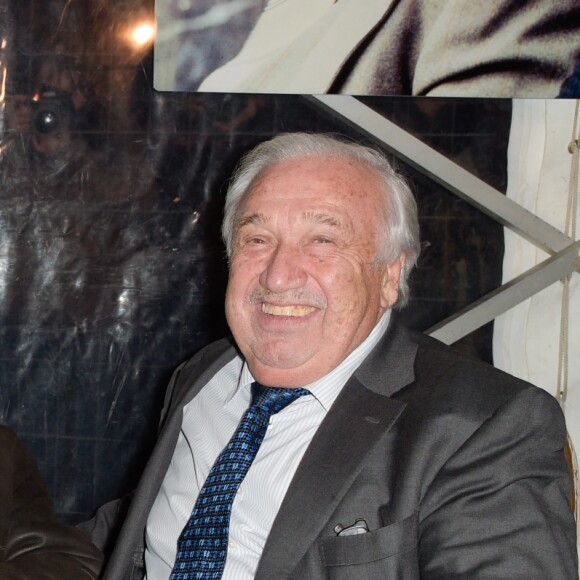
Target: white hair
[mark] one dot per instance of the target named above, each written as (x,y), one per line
(401,227)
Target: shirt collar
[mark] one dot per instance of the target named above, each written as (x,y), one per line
(327,388)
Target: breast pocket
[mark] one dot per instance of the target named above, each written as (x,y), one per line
(387,552)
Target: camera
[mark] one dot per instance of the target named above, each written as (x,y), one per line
(52,109)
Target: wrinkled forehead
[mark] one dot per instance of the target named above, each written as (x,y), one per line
(330,178)
(334,193)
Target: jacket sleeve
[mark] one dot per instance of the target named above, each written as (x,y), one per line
(499,507)
(34,543)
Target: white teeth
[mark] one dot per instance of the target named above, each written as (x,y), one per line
(296,310)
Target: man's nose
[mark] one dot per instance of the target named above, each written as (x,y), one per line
(284,270)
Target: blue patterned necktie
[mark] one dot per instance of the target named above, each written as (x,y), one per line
(203,543)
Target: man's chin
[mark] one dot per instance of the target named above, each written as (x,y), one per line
(282,370)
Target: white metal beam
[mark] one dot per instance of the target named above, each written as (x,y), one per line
(507,296)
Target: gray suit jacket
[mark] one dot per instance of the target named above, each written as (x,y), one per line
(500,48)
(457,468)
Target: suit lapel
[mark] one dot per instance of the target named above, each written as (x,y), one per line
(314,61)
(360,417)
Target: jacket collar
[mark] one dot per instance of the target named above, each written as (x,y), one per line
(390,366)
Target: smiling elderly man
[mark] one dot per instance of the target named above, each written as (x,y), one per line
(324,441)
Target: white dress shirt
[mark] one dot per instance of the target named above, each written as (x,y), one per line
(209,421)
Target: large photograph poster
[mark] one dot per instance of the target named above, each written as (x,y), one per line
(474,48)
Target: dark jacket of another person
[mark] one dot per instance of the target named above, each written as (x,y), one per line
(34,543)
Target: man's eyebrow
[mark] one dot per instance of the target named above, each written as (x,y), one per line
(248,220)
(259,219)
(323,219)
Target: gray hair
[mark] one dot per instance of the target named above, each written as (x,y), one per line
(401,226)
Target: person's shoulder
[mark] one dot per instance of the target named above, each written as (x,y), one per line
(8,438)
(452,379)
(455,391)
(6,432)
(203,363)
(432,353)
(209,359)
(210,353)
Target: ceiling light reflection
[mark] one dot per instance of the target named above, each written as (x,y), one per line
(143,34)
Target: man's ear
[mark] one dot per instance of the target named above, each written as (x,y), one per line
(390,282)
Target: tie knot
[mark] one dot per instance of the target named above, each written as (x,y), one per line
(271,400)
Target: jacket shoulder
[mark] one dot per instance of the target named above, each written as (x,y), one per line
(448,381)
(208,360)
(209,353)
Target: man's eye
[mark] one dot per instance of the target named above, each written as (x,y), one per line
(322,241)
(256,241)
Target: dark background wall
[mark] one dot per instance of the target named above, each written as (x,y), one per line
(112,271)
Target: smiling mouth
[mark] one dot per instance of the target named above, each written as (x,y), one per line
(296,310)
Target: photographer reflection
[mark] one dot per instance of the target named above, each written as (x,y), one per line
(41,137)
(55,138)
(58,104)
(60,159)
(52,119)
